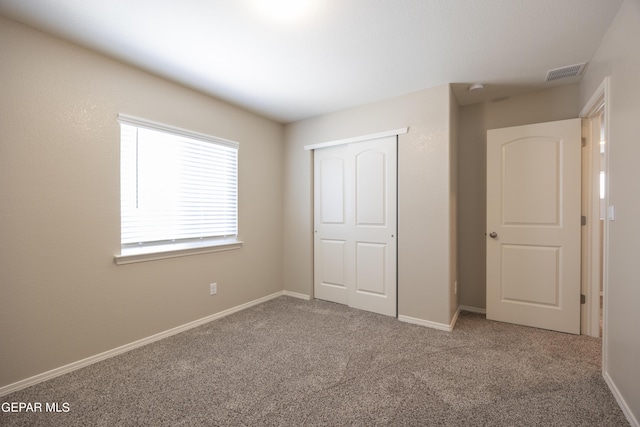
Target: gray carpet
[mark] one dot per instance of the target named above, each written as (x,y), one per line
(289,362)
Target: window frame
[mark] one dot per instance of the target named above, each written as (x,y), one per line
(183,247)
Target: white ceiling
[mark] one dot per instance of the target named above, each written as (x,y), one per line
(334,54)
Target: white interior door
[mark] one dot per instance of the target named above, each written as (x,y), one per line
(533,225)
(355,219)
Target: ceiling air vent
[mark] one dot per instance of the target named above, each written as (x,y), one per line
(564,72)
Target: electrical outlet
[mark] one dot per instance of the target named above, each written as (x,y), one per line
(455,287)
(213,288)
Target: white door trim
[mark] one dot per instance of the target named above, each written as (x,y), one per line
(593,104)
(394,132)
(591,288)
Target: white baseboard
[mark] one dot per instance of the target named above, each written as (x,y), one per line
(621,402)
(296,295)
(430,324)
(19,385)
(472,309)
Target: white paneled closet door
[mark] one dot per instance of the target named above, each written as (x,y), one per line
(355,224)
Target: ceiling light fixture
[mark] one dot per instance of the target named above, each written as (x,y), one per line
(284,10)
(476,86)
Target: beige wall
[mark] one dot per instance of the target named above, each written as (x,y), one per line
(619,57)
(537,107)
(424,191)
(63,298)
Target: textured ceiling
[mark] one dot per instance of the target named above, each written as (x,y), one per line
(319,56)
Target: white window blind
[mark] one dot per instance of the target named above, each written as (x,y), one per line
(176,186)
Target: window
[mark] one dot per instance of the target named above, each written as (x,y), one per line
(178,191)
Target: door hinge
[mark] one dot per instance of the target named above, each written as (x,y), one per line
(583,299)
(583,220)
(584,141)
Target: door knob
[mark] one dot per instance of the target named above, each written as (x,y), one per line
(493,234)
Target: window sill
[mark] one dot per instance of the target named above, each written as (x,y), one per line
(152,253)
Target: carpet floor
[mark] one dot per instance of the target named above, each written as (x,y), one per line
(289,362)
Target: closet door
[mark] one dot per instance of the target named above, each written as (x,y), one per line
(355,196)
(330,224)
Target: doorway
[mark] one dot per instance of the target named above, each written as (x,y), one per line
(595,212)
